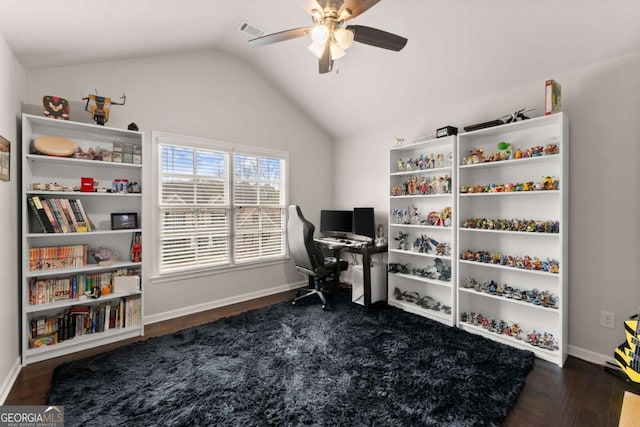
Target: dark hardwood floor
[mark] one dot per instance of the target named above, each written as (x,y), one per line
(580,394)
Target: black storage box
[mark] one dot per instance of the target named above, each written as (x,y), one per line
(446,131)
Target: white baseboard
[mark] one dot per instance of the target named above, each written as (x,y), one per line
(590,356)
(6,386)
(167,315)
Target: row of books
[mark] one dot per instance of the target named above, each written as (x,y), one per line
(59,215)
(44,291)
(54,257)
(84,320)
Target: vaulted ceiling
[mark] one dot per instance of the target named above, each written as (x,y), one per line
(457,50)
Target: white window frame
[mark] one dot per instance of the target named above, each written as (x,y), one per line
(163,138)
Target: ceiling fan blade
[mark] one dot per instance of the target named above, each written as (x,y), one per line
(377,38)
(357,7)
(280,36)
(326,63)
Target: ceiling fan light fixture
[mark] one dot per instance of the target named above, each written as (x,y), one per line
(345,14)
(344,37)
(337,52)
(320,34)
(316,49)
(316,13)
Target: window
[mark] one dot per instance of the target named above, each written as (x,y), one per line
(219,207)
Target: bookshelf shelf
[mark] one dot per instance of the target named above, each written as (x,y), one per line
(424,279)
(49,224)
(85,234)
(544,354)
(440,316)
(86,269)
(75,194)
(72,161)
(82,342)
(83,300)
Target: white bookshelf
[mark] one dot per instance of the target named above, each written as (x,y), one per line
(432,294)
(536,205)
(67,172)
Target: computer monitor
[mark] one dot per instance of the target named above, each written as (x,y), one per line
(336,223)
(364,223)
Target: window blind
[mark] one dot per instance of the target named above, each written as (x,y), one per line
(205,224)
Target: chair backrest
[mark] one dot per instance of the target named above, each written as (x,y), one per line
(300,238)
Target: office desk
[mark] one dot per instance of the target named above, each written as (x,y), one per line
(365,251)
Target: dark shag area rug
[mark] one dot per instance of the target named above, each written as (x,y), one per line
(289,366)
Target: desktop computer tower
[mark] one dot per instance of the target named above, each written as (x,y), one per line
(378,284)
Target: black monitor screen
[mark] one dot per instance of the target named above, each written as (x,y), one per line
(364,223)
(336,222)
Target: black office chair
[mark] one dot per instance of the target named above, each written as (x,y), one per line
(309,258)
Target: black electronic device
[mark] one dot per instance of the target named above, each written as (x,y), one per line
(336,222)
(364,223)
(446,131)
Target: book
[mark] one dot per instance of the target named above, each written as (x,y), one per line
(90,225)
(107,317)
(71,217)
(36,214)
(51,216)
(76,210)
(64,215)
(58,216)
(40,214)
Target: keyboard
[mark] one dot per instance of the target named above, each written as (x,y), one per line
(340,241)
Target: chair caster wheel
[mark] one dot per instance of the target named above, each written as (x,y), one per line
(293,303)
(325,307)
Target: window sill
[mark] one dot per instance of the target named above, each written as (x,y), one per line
(172,277)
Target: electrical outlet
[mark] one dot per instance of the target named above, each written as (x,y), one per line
(608,320)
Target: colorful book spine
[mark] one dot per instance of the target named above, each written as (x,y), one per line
(39,214)
(50,216)
(55,257)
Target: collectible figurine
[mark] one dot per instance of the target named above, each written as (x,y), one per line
(403,240)
(99,107)
(56,107)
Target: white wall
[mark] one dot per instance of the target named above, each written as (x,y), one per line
(211,95)
(602,102)
(12,87)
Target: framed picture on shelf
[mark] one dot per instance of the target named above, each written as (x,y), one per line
(124,221)
(5,158)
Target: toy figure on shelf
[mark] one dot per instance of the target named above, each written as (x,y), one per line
(403,240)
(431,161)
(505,151)
(515,116)
(105,256)
(424,244)
(56,107)
(424,187)
(415,215)
(136,247)
(99,107)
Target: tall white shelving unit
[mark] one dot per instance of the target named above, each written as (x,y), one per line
(497,207)
(419,290)
(67,172)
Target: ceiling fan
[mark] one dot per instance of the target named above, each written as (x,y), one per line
(331,35)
